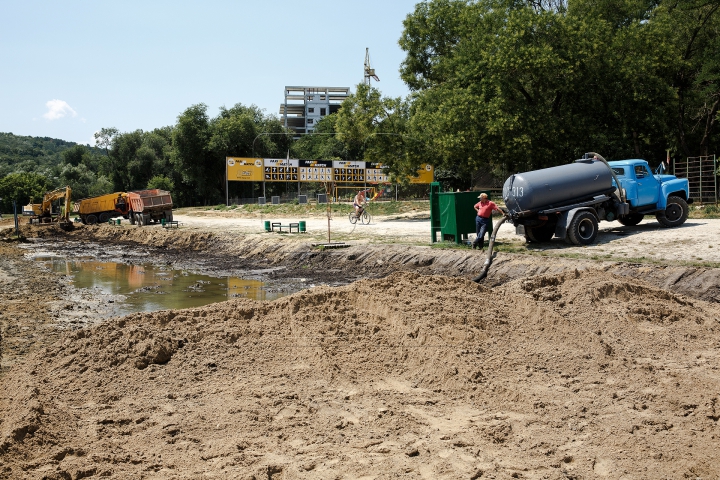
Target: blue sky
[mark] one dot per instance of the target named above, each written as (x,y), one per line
(69,68)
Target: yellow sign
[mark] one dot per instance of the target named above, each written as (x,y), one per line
(244,169)
(424,175)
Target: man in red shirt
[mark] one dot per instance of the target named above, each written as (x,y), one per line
(484,209)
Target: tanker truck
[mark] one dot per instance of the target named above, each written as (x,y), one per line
(568,201)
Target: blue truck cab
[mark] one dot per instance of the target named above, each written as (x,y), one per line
(643,188)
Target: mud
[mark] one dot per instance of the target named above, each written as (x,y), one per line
(552,368)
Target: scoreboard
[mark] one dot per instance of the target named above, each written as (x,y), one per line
(293,170)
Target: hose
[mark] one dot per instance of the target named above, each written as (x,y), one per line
(621,191)
(491,244)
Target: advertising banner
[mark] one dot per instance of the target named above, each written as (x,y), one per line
(244,169)
(315,170)
(280,170)
(424,175)
(376,173)
(349,172)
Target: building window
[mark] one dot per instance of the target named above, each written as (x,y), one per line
(322,97)
(311,109)
(322,111)
(310,97)
(310,121)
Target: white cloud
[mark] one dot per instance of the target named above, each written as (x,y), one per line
(58,109)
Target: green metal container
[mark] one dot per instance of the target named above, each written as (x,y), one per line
(301,226)
(453,215)
(117,221)
(267,225)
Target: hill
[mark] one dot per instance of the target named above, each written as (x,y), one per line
(30,154)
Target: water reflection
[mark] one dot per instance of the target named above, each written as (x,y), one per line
(148,288)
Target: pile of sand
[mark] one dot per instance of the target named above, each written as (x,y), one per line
(578,375)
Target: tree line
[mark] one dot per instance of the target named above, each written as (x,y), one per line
(496,85)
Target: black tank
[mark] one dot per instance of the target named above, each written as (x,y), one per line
(556,186)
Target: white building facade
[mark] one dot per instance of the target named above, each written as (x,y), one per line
(305,106)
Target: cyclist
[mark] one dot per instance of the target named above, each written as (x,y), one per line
(359,201)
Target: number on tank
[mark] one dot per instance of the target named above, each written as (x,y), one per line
(517,191)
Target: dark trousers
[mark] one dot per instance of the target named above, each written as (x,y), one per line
(481,226)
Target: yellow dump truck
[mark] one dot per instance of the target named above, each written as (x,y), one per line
(102,208)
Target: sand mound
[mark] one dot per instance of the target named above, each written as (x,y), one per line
(576,375)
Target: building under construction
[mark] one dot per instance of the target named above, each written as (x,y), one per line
(305,106)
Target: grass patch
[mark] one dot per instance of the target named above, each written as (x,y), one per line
(708,211)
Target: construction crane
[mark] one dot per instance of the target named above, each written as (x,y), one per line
(369,71)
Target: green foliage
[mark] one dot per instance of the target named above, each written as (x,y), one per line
(522,85)
(22,188)
(323,143)
(30,154)
(161,182)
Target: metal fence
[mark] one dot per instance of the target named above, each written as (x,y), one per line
(700,172)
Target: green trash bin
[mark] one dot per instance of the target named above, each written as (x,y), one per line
(453,216)
(117,222)
(162,222)
(301,226)
(267,225)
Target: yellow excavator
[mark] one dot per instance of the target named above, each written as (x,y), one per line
(43,212)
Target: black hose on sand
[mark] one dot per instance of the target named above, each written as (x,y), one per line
(491,244)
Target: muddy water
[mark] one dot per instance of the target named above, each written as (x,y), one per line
(146,287)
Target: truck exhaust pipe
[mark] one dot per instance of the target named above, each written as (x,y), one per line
(491,244)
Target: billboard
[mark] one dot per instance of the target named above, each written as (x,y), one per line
(349,172)
(292,170)
(315,170)
(376,173)
(280,170)
(244,169)
(424,175)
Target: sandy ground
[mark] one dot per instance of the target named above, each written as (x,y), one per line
(695,241)
(566,363)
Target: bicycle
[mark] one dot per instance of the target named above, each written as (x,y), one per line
(362,215)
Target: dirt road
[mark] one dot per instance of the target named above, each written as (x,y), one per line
(565,363)
(696,241)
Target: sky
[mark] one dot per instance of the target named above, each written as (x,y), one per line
(69,68)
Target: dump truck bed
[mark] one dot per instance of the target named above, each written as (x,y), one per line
(147,201)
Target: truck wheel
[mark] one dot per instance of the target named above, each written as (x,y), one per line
(104,217)
(140,219)
(583,229)
(131,217)
(540,234)
(631,220)
(91,219)
(675,213)
(168,216)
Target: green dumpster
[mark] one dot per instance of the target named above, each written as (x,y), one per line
(117,222)
(267,225)
(301,226)
(452,214)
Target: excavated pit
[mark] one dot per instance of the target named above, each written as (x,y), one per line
(552,368)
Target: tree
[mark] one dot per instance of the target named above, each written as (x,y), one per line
(21,188)
(162,182)
(192,158)
(374,128)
